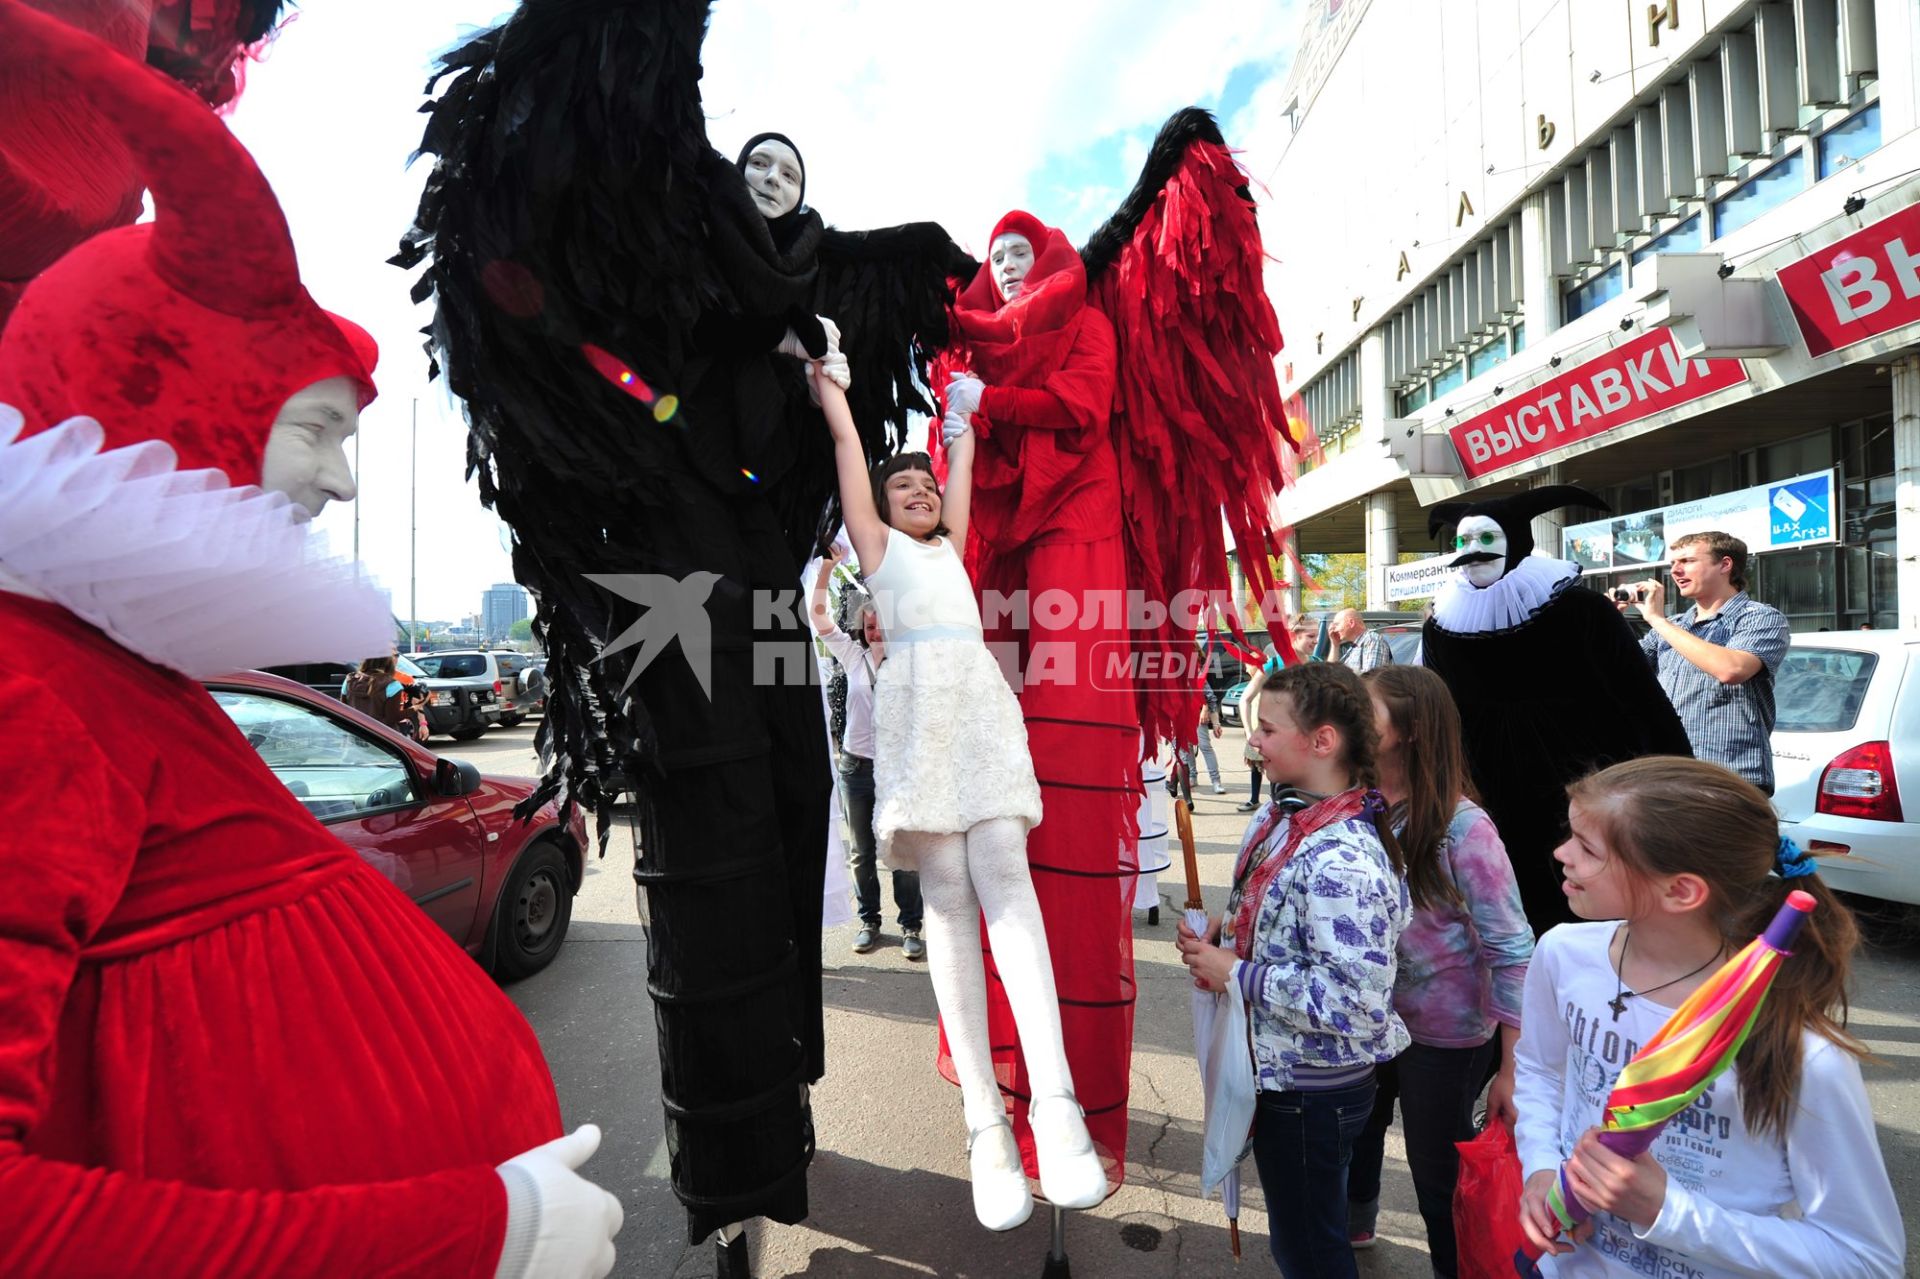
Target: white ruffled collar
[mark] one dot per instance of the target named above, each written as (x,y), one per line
(1529,586)
(177,566)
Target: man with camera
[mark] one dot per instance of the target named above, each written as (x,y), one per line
(1717,660)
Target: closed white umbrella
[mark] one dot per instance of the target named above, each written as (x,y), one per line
(1226,1060)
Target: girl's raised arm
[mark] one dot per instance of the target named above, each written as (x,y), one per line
(865,529)
(957,497)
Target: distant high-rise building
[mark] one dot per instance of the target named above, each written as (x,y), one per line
(501,605)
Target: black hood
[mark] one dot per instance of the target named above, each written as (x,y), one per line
(1514,514)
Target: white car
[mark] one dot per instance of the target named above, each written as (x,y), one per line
(1846,758)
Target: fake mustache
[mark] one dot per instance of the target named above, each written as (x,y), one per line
(1476,557)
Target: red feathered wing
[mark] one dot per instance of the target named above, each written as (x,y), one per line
(1198,419)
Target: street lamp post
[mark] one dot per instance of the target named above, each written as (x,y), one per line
(413,531)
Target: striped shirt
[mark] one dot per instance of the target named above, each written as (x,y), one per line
(1729,724)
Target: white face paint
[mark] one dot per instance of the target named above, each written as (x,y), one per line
(1478,535)
(307,453)
(773,176)
(1011,257)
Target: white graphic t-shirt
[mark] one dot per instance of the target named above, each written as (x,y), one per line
(1818,1204)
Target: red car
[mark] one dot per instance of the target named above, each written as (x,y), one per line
(445,835)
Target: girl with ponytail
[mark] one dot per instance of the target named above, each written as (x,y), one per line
(1462,959)
(1318,902)
(1775,1169)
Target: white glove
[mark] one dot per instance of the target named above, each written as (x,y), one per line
(963,394)
(792,345)
(559,1224)
(952,427)
(835,366)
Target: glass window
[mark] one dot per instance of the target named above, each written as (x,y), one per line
(1414,400)
(1793,457)
(1452,376)
(453,665)
(1758,195)
(330,768)
(1490,356)
(1684,238)
(1691,483)
(1802,584)
(1819,690)
(509,664)
(1600,289)
(406,667)
(1849,140)
(1519,338)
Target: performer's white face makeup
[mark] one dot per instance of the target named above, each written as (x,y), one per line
(1011,257)
(306,455)
(773,176)
(913,503)
(1479,535)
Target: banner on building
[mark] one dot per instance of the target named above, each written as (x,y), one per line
(1634,380)
(1857,288)
(1769,517)
(1418,580)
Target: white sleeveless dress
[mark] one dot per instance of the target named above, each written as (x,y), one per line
(949,741)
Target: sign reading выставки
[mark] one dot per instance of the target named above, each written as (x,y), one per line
(1634,380)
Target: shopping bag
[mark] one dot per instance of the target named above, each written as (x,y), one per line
(1486,1204)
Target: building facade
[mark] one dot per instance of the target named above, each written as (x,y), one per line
(1669,252)
(501,605)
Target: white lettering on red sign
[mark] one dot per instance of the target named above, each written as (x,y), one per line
(1637,380)
(1860,287)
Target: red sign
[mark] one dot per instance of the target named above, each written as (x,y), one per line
(1638,379)
(1859,287)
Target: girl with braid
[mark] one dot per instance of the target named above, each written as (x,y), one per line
(1319,900)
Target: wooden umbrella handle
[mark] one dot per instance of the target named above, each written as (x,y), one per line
(1183,819)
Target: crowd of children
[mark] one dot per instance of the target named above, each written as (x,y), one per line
(1375,931)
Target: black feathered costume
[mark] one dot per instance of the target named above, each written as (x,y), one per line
(609,298)
(1550,683)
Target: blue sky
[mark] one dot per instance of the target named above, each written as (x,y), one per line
(951,112)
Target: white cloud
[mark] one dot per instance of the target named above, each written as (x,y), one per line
(938,111)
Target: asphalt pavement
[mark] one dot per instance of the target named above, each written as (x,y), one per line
(888,1187)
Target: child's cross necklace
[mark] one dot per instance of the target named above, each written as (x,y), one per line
(1620,992)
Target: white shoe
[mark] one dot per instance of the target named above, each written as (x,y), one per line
(1218,789)
(1071,1174)
(1001,1199)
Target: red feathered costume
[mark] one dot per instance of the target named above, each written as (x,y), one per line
(1046,518)
(227,1046)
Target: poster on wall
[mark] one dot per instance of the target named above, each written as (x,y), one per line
(1768,517)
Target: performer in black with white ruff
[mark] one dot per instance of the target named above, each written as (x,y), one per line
(1549,680)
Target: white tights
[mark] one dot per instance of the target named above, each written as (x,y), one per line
(962,877)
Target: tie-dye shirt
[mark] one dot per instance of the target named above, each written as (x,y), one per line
(1319,984)
(1463,968)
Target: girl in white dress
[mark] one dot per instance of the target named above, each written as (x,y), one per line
(954,796)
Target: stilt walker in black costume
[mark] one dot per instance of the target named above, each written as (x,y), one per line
(1549,680)
(619,310)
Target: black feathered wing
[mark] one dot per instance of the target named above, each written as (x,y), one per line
(1198,420)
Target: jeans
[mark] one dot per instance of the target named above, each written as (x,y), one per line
(1302,1142)
(856,777)
(1206,752)
(1436,1088)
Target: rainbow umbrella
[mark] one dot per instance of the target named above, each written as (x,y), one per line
(1693,1048)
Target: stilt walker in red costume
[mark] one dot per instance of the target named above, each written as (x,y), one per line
(1122,397)
(227,1045)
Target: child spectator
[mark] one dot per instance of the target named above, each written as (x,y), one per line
(1775,1169)
(1463,959)
(1318,904)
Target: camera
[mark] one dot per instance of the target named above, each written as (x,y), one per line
(1634,596)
